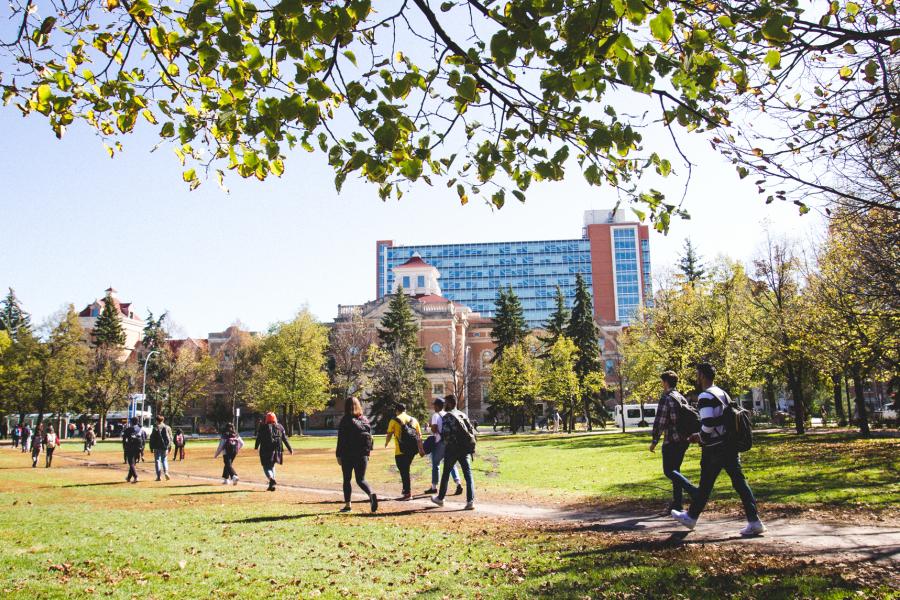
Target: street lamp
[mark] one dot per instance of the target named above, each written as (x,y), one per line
(144,385)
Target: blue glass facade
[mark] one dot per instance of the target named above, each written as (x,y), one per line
(472,273)
(627,277)
(645,273)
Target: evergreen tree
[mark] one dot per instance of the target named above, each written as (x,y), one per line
(398,326)
(558,322)
(690,264)
(397,367)
(582,330)
(510,327)
(108,332)
(13,319)
(161,363)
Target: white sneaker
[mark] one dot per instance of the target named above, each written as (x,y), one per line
(234,480)
(753,528)
(224,482)
(684,518)
(470,506)
(436,500)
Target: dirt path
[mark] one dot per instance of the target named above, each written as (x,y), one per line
(824,541)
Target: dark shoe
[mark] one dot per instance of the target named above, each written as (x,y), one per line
(373,500)
(346,509)
(431,490)
(459,490)
(271,487)
(158,479)
(405,496)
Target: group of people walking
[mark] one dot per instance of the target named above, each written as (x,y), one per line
(37,441)
(679,425)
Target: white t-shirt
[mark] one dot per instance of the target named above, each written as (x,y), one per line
(438,420)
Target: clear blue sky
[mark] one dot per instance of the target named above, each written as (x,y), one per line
(75,222)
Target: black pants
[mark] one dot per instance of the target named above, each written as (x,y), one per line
(712,461)
(132,460)
(350,466)
(672,457)
(228,471)
(178,453)
(49,453)
(403,462)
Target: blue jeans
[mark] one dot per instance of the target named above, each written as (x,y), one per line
(672,457)
(161,458)
(712,462)
(437,455)
(465,463)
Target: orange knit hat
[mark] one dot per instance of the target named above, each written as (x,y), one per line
(270,418)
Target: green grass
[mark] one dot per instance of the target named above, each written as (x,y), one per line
(836,470)
(78,532)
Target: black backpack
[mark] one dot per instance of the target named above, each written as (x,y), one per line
(231,446)
(459,434)
(688,422)
(738,426)
(366,441)
(409,437)
(134,441)
(272,439)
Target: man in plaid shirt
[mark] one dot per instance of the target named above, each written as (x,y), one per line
(675,444)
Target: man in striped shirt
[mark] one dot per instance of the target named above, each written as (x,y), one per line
(718,453)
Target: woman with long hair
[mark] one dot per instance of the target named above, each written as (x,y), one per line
(353,448)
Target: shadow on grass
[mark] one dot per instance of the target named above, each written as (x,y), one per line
(100,483)
(215,492)
(270,518)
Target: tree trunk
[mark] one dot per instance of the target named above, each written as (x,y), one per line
(849,408)
(587,414)
(838,400)
(770,396)
(861,417)
(103,425)
(796,387)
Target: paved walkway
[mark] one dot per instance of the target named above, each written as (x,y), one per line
(794,536)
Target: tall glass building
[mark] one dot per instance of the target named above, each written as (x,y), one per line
(613,256)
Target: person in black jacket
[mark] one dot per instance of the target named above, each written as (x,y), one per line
(271,439)
(133,439)
(353,447)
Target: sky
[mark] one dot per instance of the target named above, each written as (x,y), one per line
(76,222)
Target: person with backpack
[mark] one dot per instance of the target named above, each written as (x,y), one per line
(354,445)
(720,443)
(37,443)
(51,441)
(229,446)
(89,439)
(407,436)
(459,435)
(160,442)
(133,439)
(178,446)
(16,435)
(677,421)
(438,450)
(271,441)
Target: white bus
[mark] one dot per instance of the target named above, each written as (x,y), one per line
(633,414)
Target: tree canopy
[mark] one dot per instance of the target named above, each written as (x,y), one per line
(488,97)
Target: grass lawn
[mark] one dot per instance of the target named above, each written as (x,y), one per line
(832,471)
(73,531)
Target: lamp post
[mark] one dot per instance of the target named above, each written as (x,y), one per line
(144,384)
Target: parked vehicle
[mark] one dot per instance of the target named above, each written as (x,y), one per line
(633,415)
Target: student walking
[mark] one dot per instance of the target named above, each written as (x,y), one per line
(271,441)
(26,437)
(16,435)
(160,441)
(89,439)
(407,436)
(37,442)
(439,449)
(718,453)
(459,435)
(51,441)
(229,446)
(133,438)
(354,445)
(178,451)
(675,430)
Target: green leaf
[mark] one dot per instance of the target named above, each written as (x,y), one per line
(775,29)
(318,90)
(773,59)
(661,26)
(467,88)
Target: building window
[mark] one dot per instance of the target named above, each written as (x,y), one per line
(406,282)
(436,348)
(420,281)
(437,389)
